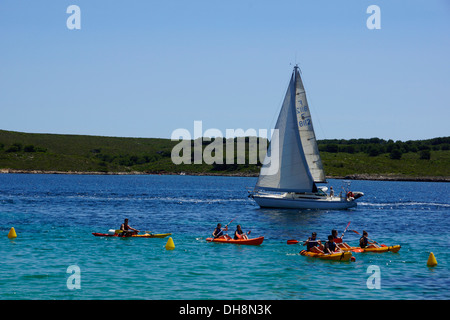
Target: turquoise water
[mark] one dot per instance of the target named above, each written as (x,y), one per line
(54,216)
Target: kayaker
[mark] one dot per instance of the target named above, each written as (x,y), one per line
(313,244)
(330,246)
(339,240)
(218,232)
(365,243)
(239,234)
(127,230)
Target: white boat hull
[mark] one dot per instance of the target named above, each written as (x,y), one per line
(317,203)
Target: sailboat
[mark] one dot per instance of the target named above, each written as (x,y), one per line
(292,167)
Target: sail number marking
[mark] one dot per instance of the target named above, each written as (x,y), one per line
(302,109)
(306,119)
(306,122)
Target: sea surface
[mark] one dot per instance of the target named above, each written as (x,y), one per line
(55,255)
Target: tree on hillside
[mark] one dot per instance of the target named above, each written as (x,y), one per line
(425,155)
(395,154)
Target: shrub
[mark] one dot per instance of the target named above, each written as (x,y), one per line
(29,148)
(395,154)
(425,155)
(16,147)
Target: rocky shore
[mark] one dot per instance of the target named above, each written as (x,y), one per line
(380,177)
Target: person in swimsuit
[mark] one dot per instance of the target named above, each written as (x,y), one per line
(218,232)
(313,244)
(365,243)
(338,240)
(239,234)
(127,230)
(331,246)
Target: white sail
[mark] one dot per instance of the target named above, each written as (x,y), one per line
(293,174)
(306,129)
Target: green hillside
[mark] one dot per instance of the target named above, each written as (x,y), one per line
(356,158)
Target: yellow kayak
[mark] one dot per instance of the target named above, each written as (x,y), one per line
(338,256)
(395,248)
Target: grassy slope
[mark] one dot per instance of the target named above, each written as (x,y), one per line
(410,165)
(112,154)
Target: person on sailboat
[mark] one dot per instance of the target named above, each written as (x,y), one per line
(365,243)
(239,234)
(313,244)
(331,246)
(218,232)
(338,240)
(127,230)
(331,192)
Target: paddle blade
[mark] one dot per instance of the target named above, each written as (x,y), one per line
(292,241)
(348,225)
(357,250)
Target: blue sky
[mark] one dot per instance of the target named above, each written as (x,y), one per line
(146,68)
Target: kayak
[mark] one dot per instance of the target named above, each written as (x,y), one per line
(395,248)
(338,256)
(253,242)
(146,235)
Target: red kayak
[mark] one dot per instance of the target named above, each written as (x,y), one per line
(252,242)
(146,235)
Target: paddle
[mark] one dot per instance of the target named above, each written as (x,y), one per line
(345,229)
(229,223)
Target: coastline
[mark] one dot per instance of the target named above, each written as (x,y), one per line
(376,177)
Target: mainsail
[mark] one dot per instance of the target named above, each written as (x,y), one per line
(286,151)
(306,129)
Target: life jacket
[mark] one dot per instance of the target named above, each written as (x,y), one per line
(330,245)
(312,243)
(363,242)
(217,232)
(237,234)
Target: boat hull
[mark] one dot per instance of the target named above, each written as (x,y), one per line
(323,203)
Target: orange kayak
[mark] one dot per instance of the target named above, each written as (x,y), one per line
(338,256)
(252,242)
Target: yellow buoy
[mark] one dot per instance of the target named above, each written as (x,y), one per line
(431,260)
(170,245)
(12,233)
